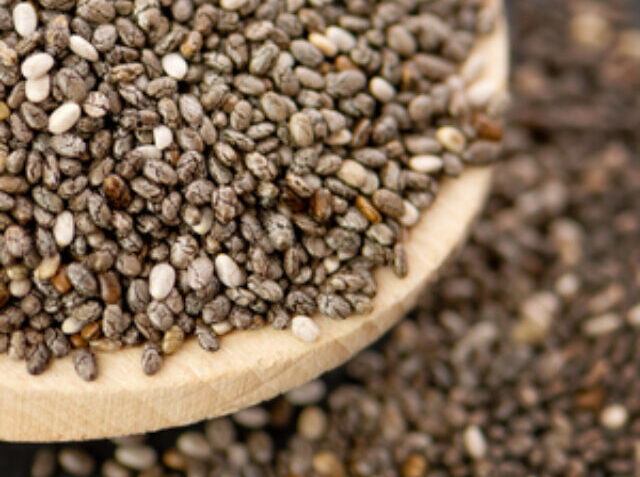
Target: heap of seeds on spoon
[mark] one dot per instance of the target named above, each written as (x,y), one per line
(170,168)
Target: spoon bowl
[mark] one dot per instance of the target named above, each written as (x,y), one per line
(249,367)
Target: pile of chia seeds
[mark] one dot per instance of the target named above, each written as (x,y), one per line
(174,168)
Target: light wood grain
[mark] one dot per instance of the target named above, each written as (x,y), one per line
(250,366)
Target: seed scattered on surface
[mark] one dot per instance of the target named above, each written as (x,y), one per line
(136,457)
(480,93)
(5,112)
(388,202)
(324,44)
(343,39)
(410,216)
(206,337)
(85,364)
(326,463)
(353,173)
(222,328)
(312,423)
(37,89)
(305,329)
(252,417)
(301,130)
(308,393)
(111,468)
(274,106)
(151,359)
(475,442)
(200,273)
(451,138)
(96,105)
(414,466)
(633,316)
(76,462)
(37,358)
(43,463)
(64,229)
(381,89)
(48,267)
(602,324)
(426,163)
(194,445)
(614,416)
(83,48)
(36,65)
(172,340)
(368,210)
(25,19)
(162,137)
(64,118)
(400,40)
(232,4)
(228,271)
(175,65)
(161,280)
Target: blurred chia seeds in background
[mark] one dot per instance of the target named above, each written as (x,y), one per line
(524,358)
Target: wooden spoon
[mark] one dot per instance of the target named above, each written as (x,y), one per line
(250,366)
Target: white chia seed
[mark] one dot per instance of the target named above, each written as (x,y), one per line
(175,65)
(64,118)
(83,48)
(25,19)
(36,65)
(37,89)
(305,329)
(161,281)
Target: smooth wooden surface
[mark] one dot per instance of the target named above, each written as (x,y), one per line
(250,366)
